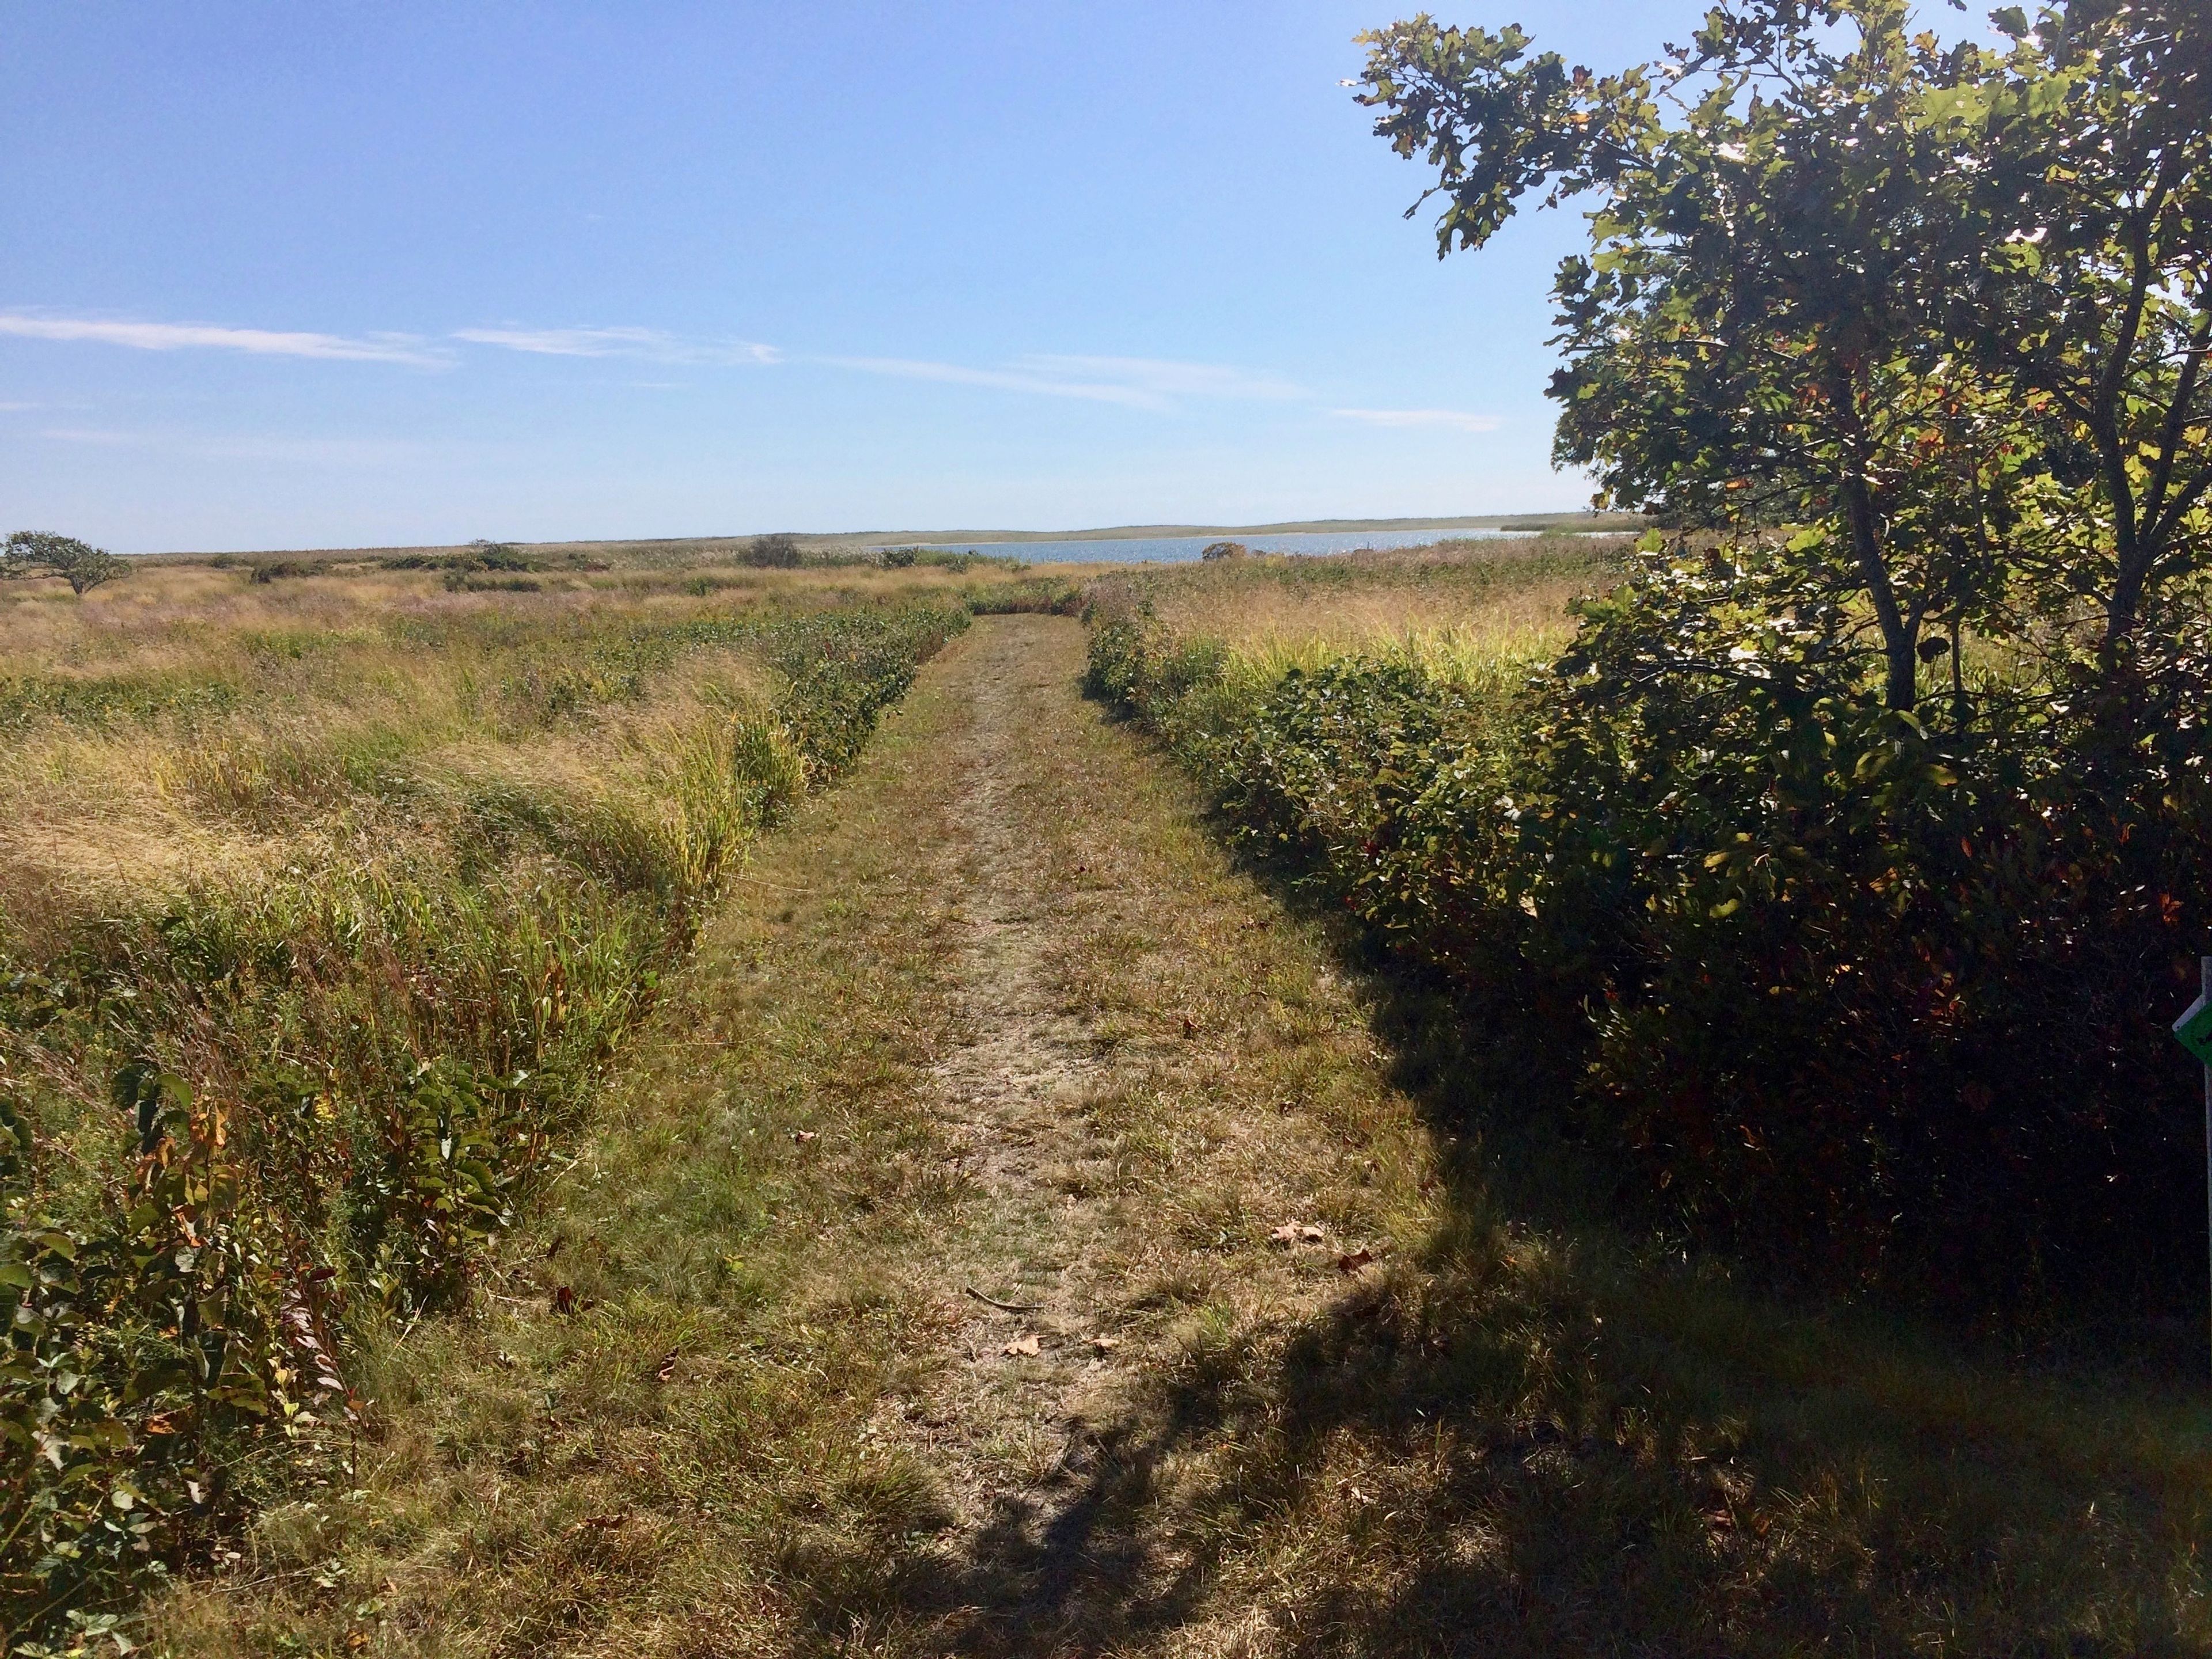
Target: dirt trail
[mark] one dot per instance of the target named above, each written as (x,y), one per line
(995,1020)
(1123,1092)
(1012,1091)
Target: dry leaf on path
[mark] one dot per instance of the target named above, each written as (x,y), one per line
(1353,1260)
(1020,1345)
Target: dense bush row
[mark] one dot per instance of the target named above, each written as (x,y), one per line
(1879,994)
(329,1088)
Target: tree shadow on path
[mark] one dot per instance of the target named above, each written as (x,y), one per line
(1538,1433)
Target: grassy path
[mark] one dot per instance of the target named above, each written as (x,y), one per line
(1011,1240)
(995,1017)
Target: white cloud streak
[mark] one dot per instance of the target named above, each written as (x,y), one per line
(1459,420)
(1169,378)
(1154,384)
(255,342)
(1003,379)
(650,343)
(1132,382)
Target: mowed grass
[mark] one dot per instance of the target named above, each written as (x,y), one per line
(1473,1415)
(324,904)
(765,1427)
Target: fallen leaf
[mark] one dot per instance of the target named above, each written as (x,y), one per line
(564,1299)
(1021,1344)
(1353,1260)
(1189,1026)
(667,1370)
(1286,1234)
(1102,1343)
(1311,1234)
(802,1136)
(504,1360)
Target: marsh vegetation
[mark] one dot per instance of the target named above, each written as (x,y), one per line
(323,906)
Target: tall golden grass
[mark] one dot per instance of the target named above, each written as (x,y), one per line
(1456,607)
(343,888)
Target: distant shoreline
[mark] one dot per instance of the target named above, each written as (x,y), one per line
(854,540)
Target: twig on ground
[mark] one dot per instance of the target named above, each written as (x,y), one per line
(1003,1307)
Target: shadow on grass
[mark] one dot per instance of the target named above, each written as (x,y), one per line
(1548,1432)
(1514,1445)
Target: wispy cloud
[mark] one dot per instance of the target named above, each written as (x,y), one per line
(256,342)
(1132,382)
(651,343)
(1155,384)
(289,451)
(1458,419)
(1169,378)
(1002,379)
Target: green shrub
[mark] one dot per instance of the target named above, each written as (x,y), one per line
(1882,995)
(779,552)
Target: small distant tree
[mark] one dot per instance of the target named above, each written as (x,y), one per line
(779,552)
(42,553)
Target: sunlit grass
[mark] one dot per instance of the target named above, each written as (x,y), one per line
(1458,609)
(379,874)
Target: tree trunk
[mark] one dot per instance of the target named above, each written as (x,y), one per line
(1899,647)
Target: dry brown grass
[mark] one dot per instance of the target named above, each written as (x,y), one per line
(224,726)
(1458,605)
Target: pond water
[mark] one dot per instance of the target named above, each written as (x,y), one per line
(1173,549)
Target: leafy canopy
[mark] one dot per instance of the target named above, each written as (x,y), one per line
(1940,310)
(42,553)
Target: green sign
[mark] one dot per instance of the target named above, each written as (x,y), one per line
(2195,1030)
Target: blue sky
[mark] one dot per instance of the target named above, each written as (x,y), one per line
(284,276)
